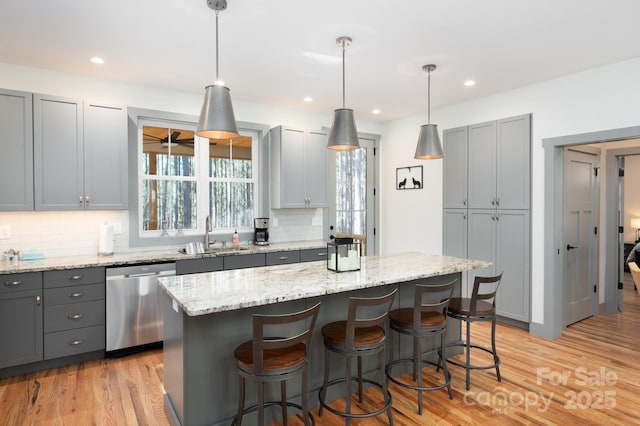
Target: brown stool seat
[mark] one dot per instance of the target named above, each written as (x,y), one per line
(364,333)
(403,317)
(462,305)
(269,358)
(274,359)
(425,319)
(480,307)
(335,333)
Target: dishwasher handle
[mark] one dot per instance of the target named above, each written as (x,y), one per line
(150,274)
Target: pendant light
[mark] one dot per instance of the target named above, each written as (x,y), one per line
(344,134)
(429,146)
(217,120)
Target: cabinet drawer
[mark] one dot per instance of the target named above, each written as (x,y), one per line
(310,255)
(243,261)
(20,282)
(73,294)
(283,257)
(74,315)
(69,277)
(194,266)
(72,342)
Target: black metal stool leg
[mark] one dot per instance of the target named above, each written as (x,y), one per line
(260,403)
(443,361)
(283,401)
(348,375)
(496,359)
(323,391)
(468,354)
(360,379)
(240,402)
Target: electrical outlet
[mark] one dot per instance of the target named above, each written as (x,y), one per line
(117,228)
(5,232)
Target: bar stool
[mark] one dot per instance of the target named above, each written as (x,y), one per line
(276,359)
(480,307)
(363,333)
(427,317)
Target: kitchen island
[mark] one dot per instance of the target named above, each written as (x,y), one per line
(207,315)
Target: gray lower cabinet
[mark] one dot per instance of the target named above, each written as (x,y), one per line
(243,261)
(80,155)
(311,255)
(299,164)
(283,257)
(196,266)
(74,312)
(16,145)
(20,319)
(454,240)
(502,237)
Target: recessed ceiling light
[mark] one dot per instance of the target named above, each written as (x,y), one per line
(469,83)
(308,99)
(97,60)
(375,111)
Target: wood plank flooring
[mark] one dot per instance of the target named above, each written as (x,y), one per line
(589,376)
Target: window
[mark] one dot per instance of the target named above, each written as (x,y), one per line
(181,178)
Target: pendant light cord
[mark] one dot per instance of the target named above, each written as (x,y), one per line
(217,74)
(429,97)
(343,76)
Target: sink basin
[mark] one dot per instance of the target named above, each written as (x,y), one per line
(219,250)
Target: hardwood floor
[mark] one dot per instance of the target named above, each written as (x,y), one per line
(590,375)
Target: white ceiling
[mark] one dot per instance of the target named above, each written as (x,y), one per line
(278,51)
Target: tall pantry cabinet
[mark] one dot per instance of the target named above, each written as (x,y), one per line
(487,187)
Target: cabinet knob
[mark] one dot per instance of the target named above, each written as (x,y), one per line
(38,300)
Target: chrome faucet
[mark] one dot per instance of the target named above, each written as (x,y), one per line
(207,229)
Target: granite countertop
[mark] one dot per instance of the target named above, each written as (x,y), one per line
(139,257)
(201,294)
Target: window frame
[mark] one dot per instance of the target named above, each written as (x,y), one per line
(260,155)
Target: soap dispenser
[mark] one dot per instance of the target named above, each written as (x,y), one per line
(236,238)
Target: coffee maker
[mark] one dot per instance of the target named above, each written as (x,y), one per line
(261,231)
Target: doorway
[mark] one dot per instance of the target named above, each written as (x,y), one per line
(553,218)
(353,205)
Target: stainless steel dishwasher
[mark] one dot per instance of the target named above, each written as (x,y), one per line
(134,314)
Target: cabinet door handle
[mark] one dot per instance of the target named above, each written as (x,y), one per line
(38,299)
(75,317)
(283,257)
(464,202)
(74,277)
(570,247)
(323,254)
(86,200)
(76,342)
(81,201)
(12,283)
(75,295)
(497,201)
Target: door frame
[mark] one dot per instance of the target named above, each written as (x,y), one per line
(374,247)
(552,325)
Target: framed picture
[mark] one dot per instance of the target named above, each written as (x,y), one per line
(409,177)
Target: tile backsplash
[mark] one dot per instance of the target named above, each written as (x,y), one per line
(76,233)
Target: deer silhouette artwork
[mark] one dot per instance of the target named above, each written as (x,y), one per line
(416,183)
(402,184)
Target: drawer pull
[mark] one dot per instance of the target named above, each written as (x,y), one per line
(323,253)
(75,317)
(76,342)
(12,283)
(76,295)
(74,277)
(283,257)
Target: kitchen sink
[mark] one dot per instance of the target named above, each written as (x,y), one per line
(219,250)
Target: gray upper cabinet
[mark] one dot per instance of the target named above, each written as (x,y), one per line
(298,168)
(79,155)
(16,144)
(58,149)
(455,167)
(499,164)
(105,157)
(513,159)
